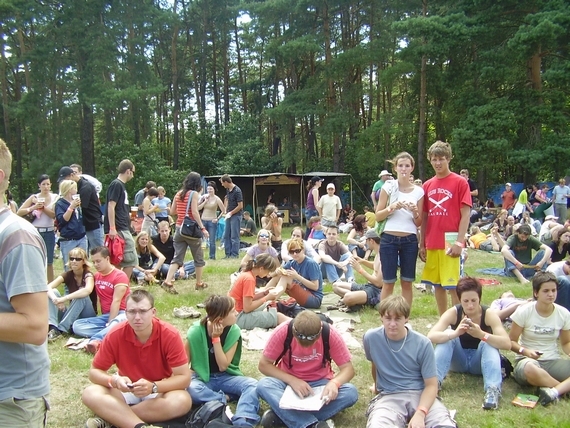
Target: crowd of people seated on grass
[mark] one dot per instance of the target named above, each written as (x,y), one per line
(428,220)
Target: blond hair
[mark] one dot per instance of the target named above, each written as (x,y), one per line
(440,149)
(66,186)
(395,305)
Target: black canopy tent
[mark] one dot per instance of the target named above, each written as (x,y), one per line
(257,187)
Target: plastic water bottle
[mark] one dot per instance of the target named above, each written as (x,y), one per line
(204,243)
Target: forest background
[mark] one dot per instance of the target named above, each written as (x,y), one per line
(294,86)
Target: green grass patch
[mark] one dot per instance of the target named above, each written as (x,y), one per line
(463,393)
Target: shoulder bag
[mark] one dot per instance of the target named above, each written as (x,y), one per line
(190,228)
(392,195)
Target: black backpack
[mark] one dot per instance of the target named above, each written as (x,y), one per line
(287,344)
(209,415)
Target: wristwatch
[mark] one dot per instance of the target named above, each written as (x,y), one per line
(154,388)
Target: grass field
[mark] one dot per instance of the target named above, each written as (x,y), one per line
(463,393)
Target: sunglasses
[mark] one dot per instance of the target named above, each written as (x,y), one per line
(297,251)
(76,259)
(263,235)
(305,337)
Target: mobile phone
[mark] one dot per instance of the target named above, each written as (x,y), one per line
(130,385)
(539,352)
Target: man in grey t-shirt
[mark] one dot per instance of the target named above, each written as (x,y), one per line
(404,372)
(24,372)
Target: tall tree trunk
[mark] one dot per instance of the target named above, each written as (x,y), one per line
(423,108)
(175,95)
(87,144)
(241,79)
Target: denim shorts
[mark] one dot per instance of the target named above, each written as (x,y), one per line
(402,248)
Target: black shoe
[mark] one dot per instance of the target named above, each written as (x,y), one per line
(270,419)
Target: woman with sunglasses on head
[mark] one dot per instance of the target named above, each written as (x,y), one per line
(147,268)
(214,347)
(251,303)
(300,278)
(263,246)
(82,297)
(536,329)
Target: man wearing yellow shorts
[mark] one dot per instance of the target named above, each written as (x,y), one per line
(446,210)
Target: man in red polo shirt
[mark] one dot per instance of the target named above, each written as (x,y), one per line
(153,371)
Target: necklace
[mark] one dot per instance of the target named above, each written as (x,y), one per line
(403,343)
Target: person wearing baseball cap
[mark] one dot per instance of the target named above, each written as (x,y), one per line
(384,176)
(329,207)
(355,296)
(509,198)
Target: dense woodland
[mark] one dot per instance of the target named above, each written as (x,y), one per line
(284,85)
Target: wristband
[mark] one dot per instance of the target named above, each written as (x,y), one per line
(460,244)
(202,228)
(110,382)
(336,382)
(486,337)
(215,340)
(521,350)
(423,409)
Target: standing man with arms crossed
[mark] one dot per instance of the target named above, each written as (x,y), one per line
(447,206)
(234,209)
(24,372)
(118,214)
(472,185)
(90,206)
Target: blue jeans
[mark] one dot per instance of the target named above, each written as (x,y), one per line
(212,229)
(333,273)
(78,308)
(67,246)
(231,236)
(189,269)
(95,237)
(402,249)
(526,272)
(49,240)
(241,387)
(271,390)
(95,327)
(485,360)
(563,294)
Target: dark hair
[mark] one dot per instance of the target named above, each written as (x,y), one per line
(153,191)
(139,295)
(104,251)
(43,177)
(150,185)
(217,306)
(525,229)
(125,165)
(213,184)
(540,278)
(469,283)
(359,222)
(226,179)
(193,181)
(264,260)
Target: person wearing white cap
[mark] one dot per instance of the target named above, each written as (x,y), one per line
(384,176)
(329,207)
(509,198)
(546,229)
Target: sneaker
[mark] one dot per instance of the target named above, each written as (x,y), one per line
(92,347)
(97,423)
(547,396)
(270,419)
(491,400)
(321,424)
(53,334)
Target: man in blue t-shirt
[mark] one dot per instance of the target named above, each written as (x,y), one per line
(300,277)
(404,372)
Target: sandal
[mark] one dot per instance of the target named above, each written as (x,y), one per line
(201,286)
(169,288)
